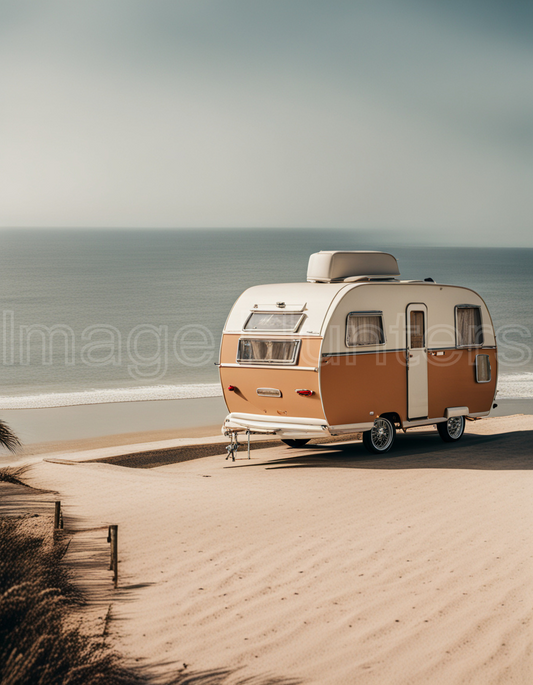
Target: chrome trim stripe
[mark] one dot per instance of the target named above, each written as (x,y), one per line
(403,349)
(460,349)
(268,366)
(351,354)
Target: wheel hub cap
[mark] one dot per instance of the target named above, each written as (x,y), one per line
(381,434)
(455,426)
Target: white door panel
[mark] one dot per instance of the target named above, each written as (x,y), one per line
(417,361)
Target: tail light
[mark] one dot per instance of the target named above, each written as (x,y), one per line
(232,388)
(305,393)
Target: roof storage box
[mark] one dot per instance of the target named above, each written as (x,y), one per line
(330,266)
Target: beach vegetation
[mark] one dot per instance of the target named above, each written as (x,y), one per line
(13,474)
(8,439)
(38,645)
(41,640)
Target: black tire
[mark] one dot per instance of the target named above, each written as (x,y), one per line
(380,438)
(298,442)
(452,429)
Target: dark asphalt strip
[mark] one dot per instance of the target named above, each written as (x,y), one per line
(174,455)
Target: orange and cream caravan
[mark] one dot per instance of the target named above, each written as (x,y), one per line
(356,349)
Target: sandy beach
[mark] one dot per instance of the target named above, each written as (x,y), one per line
(324,564)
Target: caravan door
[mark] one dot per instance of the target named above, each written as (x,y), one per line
(417,361)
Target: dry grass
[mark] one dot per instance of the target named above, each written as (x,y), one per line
(35,596)
(13,474)
(39,646)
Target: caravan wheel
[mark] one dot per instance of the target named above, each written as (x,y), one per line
(452,429)
(296,442)
(380,438)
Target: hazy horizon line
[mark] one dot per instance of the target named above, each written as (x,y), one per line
(392,234)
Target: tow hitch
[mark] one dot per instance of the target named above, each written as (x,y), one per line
(234,445)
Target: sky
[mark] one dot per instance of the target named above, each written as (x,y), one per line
(396,115)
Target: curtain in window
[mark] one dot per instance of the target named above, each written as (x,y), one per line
(364,330)
(469,330)
(283,351)
(416,329)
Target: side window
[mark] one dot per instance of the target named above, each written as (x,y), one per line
(483,373)
(364,328)
(469,332)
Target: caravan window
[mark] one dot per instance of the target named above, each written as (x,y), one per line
(268,351)
(469,332)
(483,373)
(285,322)
(416,329)
(364,328)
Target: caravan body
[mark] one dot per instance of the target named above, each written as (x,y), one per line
(352,344)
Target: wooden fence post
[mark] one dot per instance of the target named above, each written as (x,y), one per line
(112,537)
(57,516)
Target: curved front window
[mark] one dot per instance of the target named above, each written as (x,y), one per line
(284,322)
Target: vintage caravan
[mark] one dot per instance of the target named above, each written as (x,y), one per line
(356,349)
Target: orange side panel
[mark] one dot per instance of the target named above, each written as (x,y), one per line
(352,386)
(452,382)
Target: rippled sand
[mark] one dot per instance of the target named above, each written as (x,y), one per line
(326,564)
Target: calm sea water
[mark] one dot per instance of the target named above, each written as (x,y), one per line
(93,316)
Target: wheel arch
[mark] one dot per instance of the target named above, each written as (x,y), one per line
(393,416)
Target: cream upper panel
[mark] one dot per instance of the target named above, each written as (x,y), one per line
(392,299)
(315,300)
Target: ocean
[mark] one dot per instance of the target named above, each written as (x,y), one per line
(92,316)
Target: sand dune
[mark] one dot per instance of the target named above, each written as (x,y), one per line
(326,564)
